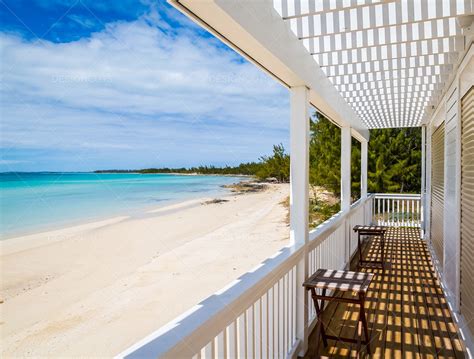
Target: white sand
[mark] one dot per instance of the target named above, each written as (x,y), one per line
(95,289)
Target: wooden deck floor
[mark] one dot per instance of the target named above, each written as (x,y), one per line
(407,313)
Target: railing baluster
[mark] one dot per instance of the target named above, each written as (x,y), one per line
(243,336)
(383,211)
(378,211)
(281,321)
(242,326)
(289,319)
(403,212)
(258,328)
(209,350)
(265,325)
(372,210)
(391,213)
(285,315)
(220,341)
(250,330)
(418,213)
(232,341)
(293,305)
(276,322)
(394,211)
(271,324)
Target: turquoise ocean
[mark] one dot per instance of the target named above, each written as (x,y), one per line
(33,202)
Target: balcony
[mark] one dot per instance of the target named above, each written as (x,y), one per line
(365,65)
(260,314)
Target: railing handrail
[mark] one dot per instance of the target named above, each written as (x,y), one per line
(184,335)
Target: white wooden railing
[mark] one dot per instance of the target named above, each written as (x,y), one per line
(256,316)
(397,210)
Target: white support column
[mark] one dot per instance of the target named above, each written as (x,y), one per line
(428,184)
(299,166)
(299,202)
(346,142)
(423,178)
(363,168)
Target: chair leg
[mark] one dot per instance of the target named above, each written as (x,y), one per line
(363,321)
(323,331)
(320,331)
(319,324)
(359,247)
(359,336)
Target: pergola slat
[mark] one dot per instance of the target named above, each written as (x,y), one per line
(407,43)
(412,48)
(367,70)
(326,6)
(451,46)
(409,31)
(387,65)
(389,75)
(380,16)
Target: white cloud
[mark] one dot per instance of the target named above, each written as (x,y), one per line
(121,86)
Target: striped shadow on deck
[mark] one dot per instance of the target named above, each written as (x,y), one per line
(407,313)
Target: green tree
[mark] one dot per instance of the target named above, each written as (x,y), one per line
(395,160)
(277,165)
(325,154)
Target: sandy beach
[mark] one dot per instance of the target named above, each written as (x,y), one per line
(94,289)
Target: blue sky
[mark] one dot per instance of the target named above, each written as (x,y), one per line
(127,84)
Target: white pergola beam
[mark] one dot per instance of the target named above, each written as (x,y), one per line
(255,30)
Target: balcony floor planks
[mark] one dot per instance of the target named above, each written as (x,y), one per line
(407,312)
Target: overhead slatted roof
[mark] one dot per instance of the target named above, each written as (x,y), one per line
(389,59)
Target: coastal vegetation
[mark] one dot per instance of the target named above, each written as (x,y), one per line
(394,165)
(394,161)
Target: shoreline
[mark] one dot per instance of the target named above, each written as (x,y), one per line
(167,207)
(137,213)
(131,213)
(123,278)
(81,225)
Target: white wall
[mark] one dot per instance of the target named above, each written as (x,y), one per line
(449,111)
(452,175)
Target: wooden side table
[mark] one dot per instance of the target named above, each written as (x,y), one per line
(339,280)
(375,231)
